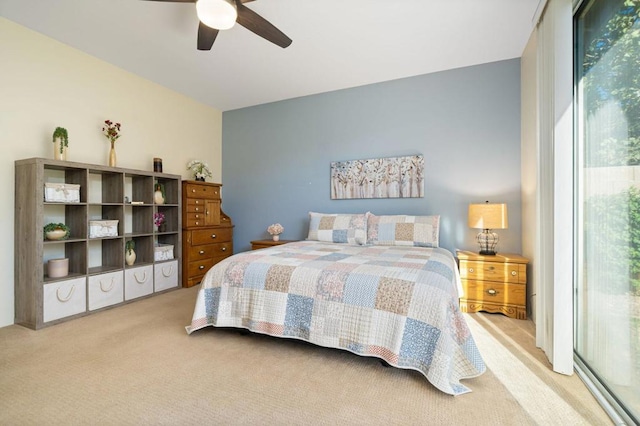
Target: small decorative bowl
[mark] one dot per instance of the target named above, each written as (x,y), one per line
(56,234)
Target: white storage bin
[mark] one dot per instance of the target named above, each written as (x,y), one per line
(106,290)
(103,228)
(165,275)
(64,298)
(62,192)
(138,282)
(163,252)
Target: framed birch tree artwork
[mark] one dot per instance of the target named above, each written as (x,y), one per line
(392,177)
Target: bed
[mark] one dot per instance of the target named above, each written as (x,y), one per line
(374,288)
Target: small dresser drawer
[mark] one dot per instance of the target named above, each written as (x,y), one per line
(195,206)
(494,292)
(138,282)
(106,290)
(202,191)
(208,236)
(165,275)
(493,271)
(195,219)
(64,298)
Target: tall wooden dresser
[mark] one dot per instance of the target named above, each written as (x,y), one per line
(207,233)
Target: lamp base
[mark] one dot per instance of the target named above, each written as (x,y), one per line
(488,241)
(487,253)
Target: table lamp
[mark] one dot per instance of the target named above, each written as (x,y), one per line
(488,216)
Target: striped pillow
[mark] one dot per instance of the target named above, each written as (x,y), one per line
(338,228)
(402,230)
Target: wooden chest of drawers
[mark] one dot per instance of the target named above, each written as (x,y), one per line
(493,283)
(207,232)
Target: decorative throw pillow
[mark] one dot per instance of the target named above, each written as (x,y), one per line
(402,230)
(338,228)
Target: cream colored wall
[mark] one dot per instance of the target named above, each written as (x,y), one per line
(529,155)
(44,84)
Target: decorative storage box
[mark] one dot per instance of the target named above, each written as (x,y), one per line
(103,228)
(163,252)
(62,192)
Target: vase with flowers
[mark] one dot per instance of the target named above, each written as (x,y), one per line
(158,221)
(275,230)
(200,170)
(111,131)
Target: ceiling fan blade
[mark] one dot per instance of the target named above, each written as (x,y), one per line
(260,26)
(206,36)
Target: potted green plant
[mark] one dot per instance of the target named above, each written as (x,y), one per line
(129,253)
(56,231)
(129,246)
(60,141)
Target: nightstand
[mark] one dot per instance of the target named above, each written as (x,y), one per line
(493,283)
(260,244)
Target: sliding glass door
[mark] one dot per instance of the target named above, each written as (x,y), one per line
(607,203)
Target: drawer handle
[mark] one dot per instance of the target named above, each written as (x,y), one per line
(207,212)
(197,223)
(491,268)
(65,299)
(514,273)
(197,216)
(193,190)
(167,274)
(215,192)
(492,292)
(197,202)
(471,270)
(144,277)
(224,249)
(197,209)
(201,252)
(213,235)
(107,290)
(201,267)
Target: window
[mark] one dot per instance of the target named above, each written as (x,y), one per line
(607,203)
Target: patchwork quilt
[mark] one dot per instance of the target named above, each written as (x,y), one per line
(397,303)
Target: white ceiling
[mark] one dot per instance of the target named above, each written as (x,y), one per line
(337,44)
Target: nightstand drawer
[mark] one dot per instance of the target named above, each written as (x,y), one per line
(493,271)
(494,292)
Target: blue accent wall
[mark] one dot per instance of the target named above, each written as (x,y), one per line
(466,122)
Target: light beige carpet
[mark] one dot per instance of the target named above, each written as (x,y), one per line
(135,364)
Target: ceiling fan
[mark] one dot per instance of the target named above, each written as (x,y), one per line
(216,15)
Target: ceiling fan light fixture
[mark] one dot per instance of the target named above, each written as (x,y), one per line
(218,14)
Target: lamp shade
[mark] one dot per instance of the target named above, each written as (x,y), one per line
(488,216)
(218,14)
